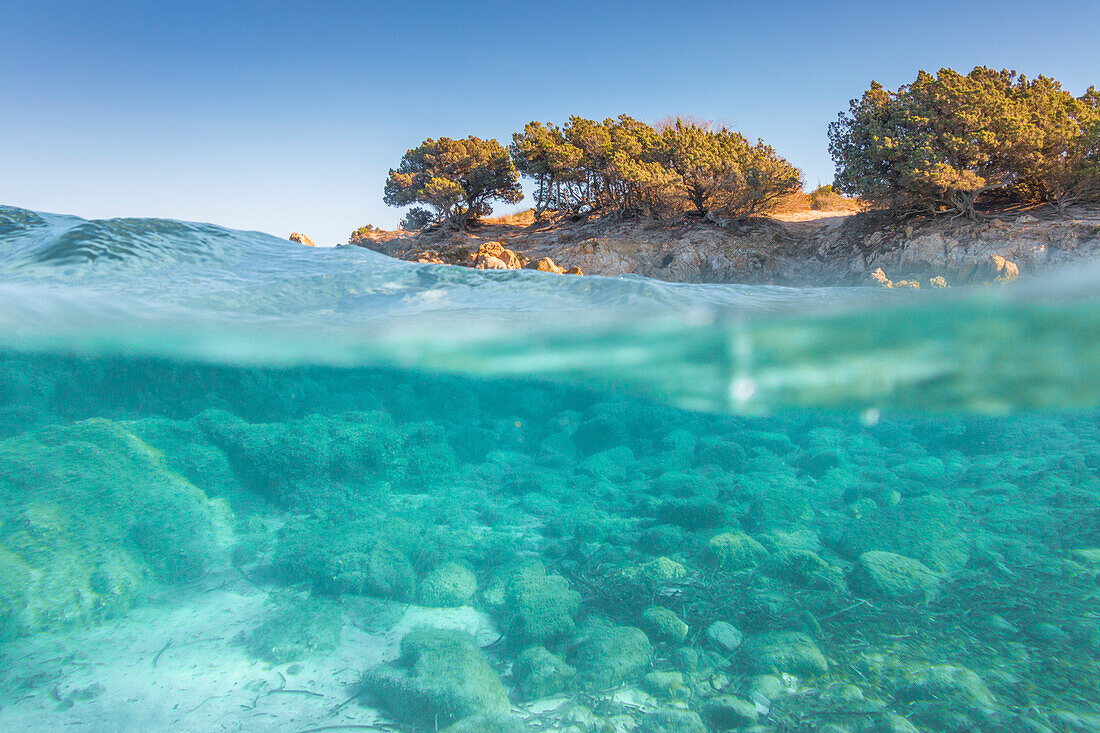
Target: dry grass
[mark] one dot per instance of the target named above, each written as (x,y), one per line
(519,219)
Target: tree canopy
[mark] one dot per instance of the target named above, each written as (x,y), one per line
(625,167)
(945,141)
(458,179)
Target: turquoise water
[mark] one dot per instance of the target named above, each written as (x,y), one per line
(249,485)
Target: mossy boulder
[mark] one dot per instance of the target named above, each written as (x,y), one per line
(944,683)
(539,673)
(345,558)
(788,652)
(664,625)
(727,712)
(90,515)
(925,528)
(607,655)
(533,605)
(734,551)
(448,585)
(440,678)
(896,577)
(670,720)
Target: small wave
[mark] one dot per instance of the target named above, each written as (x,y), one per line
(201,292)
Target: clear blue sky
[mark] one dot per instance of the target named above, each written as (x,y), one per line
(287,116)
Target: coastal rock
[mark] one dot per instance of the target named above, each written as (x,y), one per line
(440,678)
(545,264)
(301,239)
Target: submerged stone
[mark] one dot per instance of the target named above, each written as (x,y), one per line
(788,652)
(440,678)
(895,576)
(944,682)
(726,711)
(663,624)
(725,636)
(448,585)
(535,606)
(672,721)
(539,673)
(607,655)
(734,551)
(488,723)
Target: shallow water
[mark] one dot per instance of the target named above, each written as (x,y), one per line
(248,485)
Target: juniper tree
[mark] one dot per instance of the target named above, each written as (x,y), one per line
(457,178)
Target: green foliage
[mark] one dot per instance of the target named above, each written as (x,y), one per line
(416,219)
(944,141)
(457,178)
(625,167)
(362,234)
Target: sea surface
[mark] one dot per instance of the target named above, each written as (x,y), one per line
(250,485)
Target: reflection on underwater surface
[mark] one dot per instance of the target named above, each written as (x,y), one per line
(206,547)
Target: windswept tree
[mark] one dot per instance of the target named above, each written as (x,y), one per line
(944,141)
(542,153)
(1061,162)
(625,167)
(721,172)
(457,178)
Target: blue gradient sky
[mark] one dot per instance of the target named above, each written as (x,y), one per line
(287,116)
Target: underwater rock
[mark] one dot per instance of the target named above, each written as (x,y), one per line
(725,636)
(726,711)
(666,684)
(448,585)
(440,678)
(614,464)
(488,723)
(300,628)
(607,655)
(925,528)
(91,516)
(788,652)
(663,624)
(734,551)
(534,606)
(539,673)
(384,571)
(672,721)
(944,682)
(894,576)
(661,570)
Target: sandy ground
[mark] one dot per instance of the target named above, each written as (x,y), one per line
(177,664)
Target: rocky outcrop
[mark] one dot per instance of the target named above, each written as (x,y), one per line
(301,239)
(803,248)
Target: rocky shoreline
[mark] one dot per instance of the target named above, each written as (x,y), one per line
(800,248)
